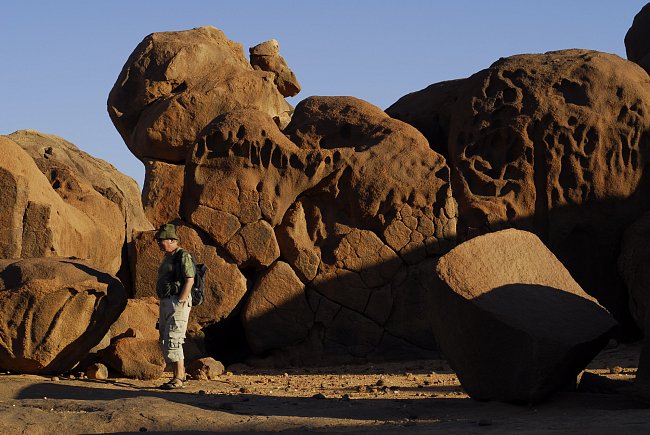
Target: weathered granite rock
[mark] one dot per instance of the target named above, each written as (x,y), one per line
(511,320)
(225,284)
(295,244)
(553,143)
(135,357)
(175,83)
(386,177)
(385,204)
(637,39)
(245,170)
(53,311)
(266,57)
(49,152)
(254,245)
(58,215)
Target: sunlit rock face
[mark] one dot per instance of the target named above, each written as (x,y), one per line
(175,83)
(52,210)
(266,57)
(338,208)
(553,143)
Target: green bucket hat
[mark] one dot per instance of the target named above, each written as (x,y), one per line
(167,231)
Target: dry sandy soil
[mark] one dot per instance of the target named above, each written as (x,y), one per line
(413,397)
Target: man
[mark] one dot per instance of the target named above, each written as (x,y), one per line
(174,288)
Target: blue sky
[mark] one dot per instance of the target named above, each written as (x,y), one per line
(61,59)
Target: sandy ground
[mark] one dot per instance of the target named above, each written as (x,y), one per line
(415,397)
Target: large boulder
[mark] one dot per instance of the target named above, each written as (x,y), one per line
(637,39)
(51,152)
(552,143)
(53,311)
(511,320)
(175,83)
(347,200)
(139,319)
(55,211)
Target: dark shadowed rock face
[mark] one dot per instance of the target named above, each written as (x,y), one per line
(633,267)
(53,311)
(637,39)
(512,322)
(175,83)
(554,143)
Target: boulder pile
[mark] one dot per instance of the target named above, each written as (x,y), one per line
(336,232)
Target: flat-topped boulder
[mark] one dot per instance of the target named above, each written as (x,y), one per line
(511,320)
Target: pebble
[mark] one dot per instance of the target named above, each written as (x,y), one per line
(380,383)
(319,396)
(345,397)
(244,390)
(616,370)
(202,392)
(54,378)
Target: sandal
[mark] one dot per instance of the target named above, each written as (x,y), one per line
(173,384)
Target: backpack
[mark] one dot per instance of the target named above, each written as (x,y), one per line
(198,289)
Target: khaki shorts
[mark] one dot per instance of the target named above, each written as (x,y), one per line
(172,326)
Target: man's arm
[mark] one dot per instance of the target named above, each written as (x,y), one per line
(186,290)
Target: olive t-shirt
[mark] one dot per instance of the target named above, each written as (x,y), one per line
(168,279)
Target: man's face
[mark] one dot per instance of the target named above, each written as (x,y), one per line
(167,245)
